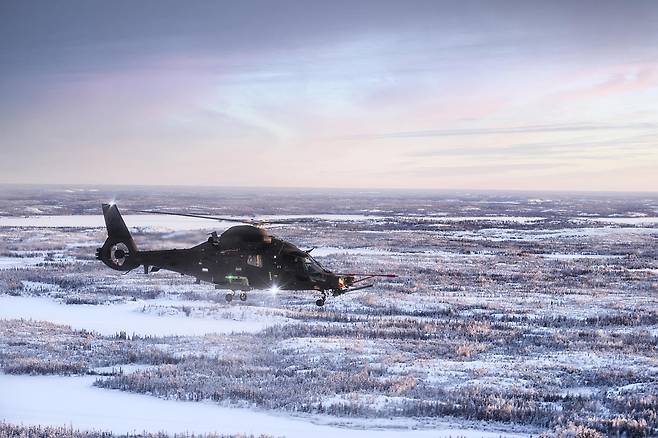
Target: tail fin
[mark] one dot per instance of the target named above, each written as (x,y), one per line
(119,250)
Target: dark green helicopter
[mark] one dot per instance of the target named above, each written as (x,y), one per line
(242,258)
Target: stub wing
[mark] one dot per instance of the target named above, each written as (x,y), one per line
(347,282)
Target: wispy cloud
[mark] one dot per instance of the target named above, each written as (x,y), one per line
(556,128)
(624,79)
(542,149)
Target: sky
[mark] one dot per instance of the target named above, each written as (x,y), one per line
(522,95)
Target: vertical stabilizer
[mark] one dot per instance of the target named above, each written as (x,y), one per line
(119,250)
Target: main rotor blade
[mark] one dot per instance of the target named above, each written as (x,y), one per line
(369,275)
(214,218)
(254,222)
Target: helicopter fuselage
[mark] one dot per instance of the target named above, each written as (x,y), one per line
(242,258)
(274,264)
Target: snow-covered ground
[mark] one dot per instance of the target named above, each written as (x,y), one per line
(645,220)
(145,221)
(168,222)
(563,256)
(19,262)
(500,234)
(504,311)
(73,401)
(507,219)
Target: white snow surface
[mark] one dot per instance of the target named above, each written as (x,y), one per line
(73,401)
(567,256)
(633,220)
(165,222)
(330,250)
(501,234)
(128,317)
(325,251)
(515,219)
(19,262)
(146,221)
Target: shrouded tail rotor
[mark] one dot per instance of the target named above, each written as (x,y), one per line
(119,251)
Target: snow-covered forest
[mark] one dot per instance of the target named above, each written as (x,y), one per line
(512,313)
(13,431)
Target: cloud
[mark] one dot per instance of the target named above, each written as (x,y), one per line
(585,127)
(477,168)
(543,149)
(628,80)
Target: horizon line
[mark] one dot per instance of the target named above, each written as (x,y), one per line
(343,189)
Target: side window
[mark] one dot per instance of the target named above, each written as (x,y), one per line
(255,260)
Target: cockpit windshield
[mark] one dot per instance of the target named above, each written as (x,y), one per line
(311,265)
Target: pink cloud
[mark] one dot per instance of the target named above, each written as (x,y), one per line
(620,80)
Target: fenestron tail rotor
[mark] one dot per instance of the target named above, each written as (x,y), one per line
(119,252)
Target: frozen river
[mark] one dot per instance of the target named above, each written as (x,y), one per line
(73,401)
(128,317)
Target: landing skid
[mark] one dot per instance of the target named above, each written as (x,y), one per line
(319,302)
(229,296)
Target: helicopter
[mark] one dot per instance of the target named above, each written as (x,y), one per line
(242,258)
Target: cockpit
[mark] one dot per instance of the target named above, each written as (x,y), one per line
(312,266)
